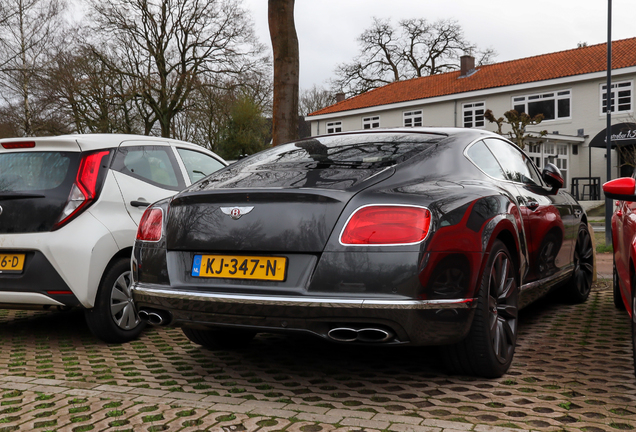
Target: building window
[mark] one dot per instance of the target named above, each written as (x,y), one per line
(334,127)
(413,118)
(534,151)
(474,114)
(553,105)
(542,154)
(620,97)
(371,122)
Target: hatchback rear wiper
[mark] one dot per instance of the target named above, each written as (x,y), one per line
(4,196)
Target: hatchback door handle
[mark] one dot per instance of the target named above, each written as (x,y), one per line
(139,203)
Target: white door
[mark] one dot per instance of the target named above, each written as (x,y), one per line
(146,171)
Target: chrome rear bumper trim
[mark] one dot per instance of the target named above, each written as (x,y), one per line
(143,293)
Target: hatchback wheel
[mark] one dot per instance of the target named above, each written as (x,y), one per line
(489,347)
(580,286)
(114,319)
(219,338)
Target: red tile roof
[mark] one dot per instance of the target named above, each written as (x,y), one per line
(561,64)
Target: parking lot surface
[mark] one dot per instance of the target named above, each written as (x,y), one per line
(572,371)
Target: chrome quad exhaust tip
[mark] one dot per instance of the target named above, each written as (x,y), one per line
(154,317)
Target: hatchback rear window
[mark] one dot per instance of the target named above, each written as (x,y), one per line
(34,171)
(348,151)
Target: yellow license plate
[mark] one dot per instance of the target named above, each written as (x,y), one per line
(11,263)
(240,267)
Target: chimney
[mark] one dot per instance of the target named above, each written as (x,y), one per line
(340,97)
(467,65)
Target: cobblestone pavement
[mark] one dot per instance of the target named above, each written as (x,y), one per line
(572,372)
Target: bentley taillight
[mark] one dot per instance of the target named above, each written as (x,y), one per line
(387,225)
(151,225)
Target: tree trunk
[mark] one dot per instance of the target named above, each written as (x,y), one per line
(282,31)
(25,74)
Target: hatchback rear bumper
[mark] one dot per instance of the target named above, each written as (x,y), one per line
(38,284)
(417,322)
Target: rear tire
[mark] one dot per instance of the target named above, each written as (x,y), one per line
(220,338)
(616,291)
(489,347)
(114,319)
(580,286)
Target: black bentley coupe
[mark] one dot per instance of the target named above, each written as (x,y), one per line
(421,236)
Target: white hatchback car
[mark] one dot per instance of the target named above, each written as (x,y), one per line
(69,210)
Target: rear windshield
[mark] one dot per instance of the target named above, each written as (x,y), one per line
(34,171)
(371,150)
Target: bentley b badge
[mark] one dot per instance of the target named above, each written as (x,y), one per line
(236,212)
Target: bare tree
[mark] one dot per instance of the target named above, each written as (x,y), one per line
(414,49)
(165,46)
(28,32)
(314,99)
(92,96)
(282,30)
(518,122)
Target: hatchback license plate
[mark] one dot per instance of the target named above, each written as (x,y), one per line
(240,267)
(11,263)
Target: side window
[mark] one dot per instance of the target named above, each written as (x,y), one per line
(485,161)
(334,127)
(474,114)
(371,122)
(620,97)
(412,118)
(198,165)
(517,166)
(153,164)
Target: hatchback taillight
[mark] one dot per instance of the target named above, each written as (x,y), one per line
(85,188)
(387,225)
(151,225)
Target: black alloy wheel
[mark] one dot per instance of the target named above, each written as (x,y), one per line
(580,286)
(489,347)
(502,307)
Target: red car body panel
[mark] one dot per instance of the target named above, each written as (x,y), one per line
(624,242)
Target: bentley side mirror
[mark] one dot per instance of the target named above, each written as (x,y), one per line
(622,189)
(552,177)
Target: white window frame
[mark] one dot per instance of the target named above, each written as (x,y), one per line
(556,153)
(474,112)
(334,127)
(618,86)
(412,118)
(371,122)
(555,95)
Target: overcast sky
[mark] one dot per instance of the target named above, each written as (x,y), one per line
(328,29)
